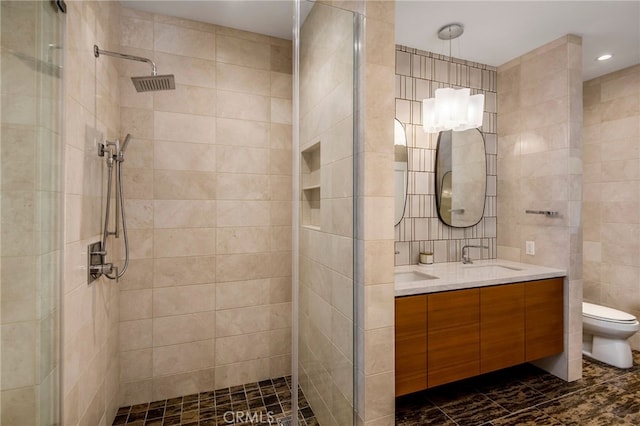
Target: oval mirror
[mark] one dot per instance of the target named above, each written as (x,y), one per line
(400,169)
(461,177)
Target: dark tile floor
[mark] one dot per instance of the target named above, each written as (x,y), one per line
(527,396)
(266,402)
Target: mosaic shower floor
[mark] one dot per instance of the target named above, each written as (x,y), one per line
(267,402)
(526,395)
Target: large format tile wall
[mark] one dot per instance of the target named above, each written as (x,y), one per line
(611,205)
(540,168)
(418,75)
(90,312)
(326,247)
(32,197)
(206,302)
(374,283)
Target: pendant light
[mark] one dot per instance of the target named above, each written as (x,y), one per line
(452,109)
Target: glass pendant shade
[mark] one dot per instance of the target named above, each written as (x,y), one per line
(452,109)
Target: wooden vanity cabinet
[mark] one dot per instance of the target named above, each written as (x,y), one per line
(448,336)
(453,336)
(502,326)
(544,318)
(411,344)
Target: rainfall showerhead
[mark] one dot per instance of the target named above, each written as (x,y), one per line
(154,83)
(151,83)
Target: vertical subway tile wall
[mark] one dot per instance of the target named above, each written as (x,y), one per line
(418,75)
(207,302)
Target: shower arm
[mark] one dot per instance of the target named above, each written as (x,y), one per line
(97,52)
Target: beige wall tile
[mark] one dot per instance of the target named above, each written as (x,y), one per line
(243,240)
(187,70)
(242,106)
(135,304)
(233,186)
(244,213)
(233,322)
(183,41)
(177,271)
(19,355)
(233,159)
(138,122)
(238,267)
(281,110)
(184,213)
(137,392)
(140,243)
(232,50)
(135,32)
(18,406)
(139,214)
(175,329)
(135,334)
(139,275)
(245,347)
(182,384)
(139,183)
(242,133)
(242,79)
(187,100)
(182,358)
(183,185)
(237,294)
(242,372)
(136,365)
(183,300)
(184,156)
(174,126)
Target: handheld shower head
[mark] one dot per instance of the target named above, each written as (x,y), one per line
(125,143)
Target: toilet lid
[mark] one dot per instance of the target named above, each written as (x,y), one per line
(606,314)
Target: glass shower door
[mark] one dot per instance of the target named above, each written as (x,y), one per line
(325,148)
(31,211)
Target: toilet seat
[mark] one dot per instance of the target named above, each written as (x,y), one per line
(603,313)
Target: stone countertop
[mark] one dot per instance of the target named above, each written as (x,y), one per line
(457,276)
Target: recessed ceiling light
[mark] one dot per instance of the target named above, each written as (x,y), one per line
(605,57)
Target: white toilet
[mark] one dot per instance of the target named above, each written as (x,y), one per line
(605,334)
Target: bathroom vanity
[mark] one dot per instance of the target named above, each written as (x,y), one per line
(455,321)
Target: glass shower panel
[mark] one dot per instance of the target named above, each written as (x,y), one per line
(325,316)
(31,207)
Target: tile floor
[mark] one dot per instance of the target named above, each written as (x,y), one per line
(266,402)
(525,395)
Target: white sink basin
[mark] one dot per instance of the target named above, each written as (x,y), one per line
(489,268)
(410,276)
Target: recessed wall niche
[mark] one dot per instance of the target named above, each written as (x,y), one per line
(310,169)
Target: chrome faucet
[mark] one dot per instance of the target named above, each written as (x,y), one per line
(465,257)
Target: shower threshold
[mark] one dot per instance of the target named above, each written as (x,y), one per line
(267,402)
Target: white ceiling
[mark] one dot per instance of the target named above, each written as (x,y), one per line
(498,31)
(495,31)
